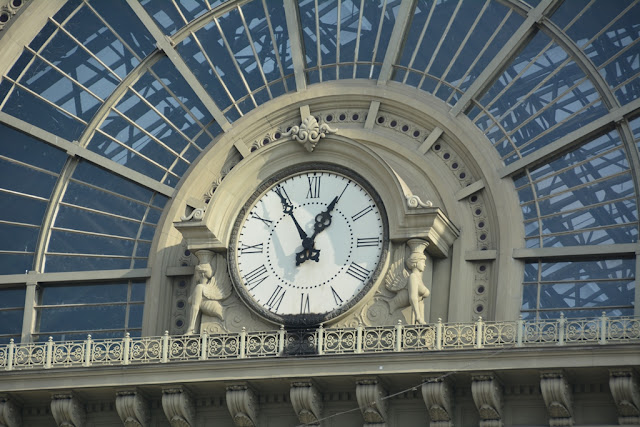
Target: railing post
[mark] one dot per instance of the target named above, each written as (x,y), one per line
(49,357)
(603,328)
(165,347)
(321,340)
(10,349)
(479,333)
(203,346)
(281,338)
(87,351)
(561,323)
(520,332)
(243,343)
(359,338)
(398,346)
(127,348)
(439,334)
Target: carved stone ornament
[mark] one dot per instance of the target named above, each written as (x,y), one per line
(404,278)
(133,408)
(487,395)
(370,395)
(414,202)
(10,414)
(306,401)
(67,410)
(242,405)
(557,397)
(309,132)
(195,215)
(178,407)
(212,285)
(624,388)
(438,396)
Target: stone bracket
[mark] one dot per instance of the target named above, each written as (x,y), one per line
(133,408)
(67,410)
(428,223)
(437,393)
(198,236)
(306,401)
(370,394)
(10,413)
(243,405)
(487,395)
(626,393)
(557,396)
(178,406)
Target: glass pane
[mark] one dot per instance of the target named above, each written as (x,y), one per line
(12,298)
(84,294)
(93,318)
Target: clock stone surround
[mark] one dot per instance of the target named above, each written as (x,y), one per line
(211,230)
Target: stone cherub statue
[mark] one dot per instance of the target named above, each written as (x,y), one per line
(212,286)
(409,286)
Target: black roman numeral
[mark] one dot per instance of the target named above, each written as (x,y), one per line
(304,303)
(336,297)
(358,272)
(266,221)
(276,298)
(251,249)
(362,213)
(314,187)
(255,277)
(364,242)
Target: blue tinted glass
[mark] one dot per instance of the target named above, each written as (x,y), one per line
(74,243)
(94,175)
(165,14)
(137,291)
(11,321)
(12,298)
(23,209)
(18,238)
(135,315)
(56,263)
(20,146)
(23,179)
(93,318)
(84,294)
(78,219)
(16,263)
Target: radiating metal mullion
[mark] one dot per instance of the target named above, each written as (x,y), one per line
(419,43)
(92,233)
(583,230)
(255,54)
(21,86)
(123,145)
(72,37)
(27,165)
(338,26)
(19,224)
(4,251)
(586,207)
(180,12)
(378,35)
(76,254)
(103,213)
(196,39)
(462,45)
(626,82)
(440,42)
(619,53)
(105,190)
(546,131)
(235,62)
(479,55)
(275,45)
(531,117)
(606,27)
(586,184)
(113,31)
(357,47)
(578,15)
(500,127)
(25,195)
(318,48)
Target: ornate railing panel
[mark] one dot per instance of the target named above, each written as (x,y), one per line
(316,342)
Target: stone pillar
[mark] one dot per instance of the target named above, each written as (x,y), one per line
(306,401)
(370,394)
(487,394)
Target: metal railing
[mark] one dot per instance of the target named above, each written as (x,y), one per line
(322,341)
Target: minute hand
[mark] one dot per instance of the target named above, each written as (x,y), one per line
(287,208)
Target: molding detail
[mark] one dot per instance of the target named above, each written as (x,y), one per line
(438,396)
(178,406)
(8,10)
(370,395)
(195,215)
(242,405)
(67,410)
(309,132)
(10,414)
(133,408)
(306,401)
(626,393)
(414,202)
(557,397)
(487,394)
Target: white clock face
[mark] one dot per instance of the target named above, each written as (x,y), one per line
(309,245)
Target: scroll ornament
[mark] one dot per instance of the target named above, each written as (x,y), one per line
(309,132)
(213,285)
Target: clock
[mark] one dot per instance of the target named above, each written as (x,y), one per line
(308,244)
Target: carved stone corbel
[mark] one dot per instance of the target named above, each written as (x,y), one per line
(438,396)
(67,410)
(309,132)
(242,405)
(623,383)
(133,408)
(10,414)
(370,394)
(306,401)
(557,396)
(487,394)
(178,407)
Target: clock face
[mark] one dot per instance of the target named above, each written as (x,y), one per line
(308,245)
